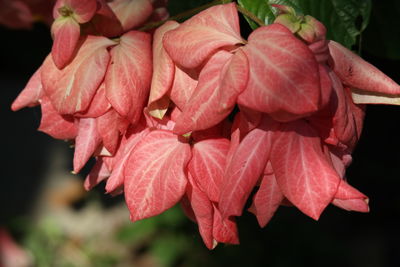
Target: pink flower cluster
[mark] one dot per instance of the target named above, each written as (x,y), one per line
(224,116)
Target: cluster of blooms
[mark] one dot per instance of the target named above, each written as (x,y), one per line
(225,116)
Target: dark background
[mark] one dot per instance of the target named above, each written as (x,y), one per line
(339,238)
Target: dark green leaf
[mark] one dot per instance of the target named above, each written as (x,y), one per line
(260,9)
(344,19)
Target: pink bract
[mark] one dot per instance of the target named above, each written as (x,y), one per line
(276,116)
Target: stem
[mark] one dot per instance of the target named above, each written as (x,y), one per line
(250,15)
(184,15)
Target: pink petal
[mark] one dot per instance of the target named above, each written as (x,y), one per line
(283,78)
(267,199)
(222,79)
(84,10)
(56,125)
(155,178)
(349,198)
(163,69)
(86,142)
(303,174)
(128,144)
(129,75)
(218,27)
(224,229)
(98,106)
(182,88)
(357,73)
(207,165)
(98,173)
(72,89)
(66,32)
(108,128)
(244,169)
(29,97)
(131,13)
(203,211)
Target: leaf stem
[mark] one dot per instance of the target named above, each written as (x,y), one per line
(250,15)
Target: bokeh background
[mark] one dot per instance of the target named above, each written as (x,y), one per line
(44,208)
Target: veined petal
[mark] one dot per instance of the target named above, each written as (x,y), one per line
(56,125)
(72,89)
(128,143)
(108,128)
(207,165)
(359,74)
(283,75)
(182,88)
(203,34)
(267,199)
(129,75)
(155,178)
(302,172)
(98,106)
(163,70)
(245,168)
(86,142)
(131,13)
(349,198)
(203,211)
(222,79)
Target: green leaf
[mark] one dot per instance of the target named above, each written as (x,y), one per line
(260,9)
(344,19)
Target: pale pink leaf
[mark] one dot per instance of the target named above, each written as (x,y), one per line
(203,211)
(83,10)
(283,75)
(245,168)
(86,142)
(131,13)
(303,174)
(163,68)
(98,173)
(72,89)
(98,106)
(349,198)
(224,229)
(33,91)
(359,74)
(129,75)
(155,178)
(218,27)
(108,128)
(182,88)
(266,200)
(66,32)
(128,143)
(222,79)
(207,165)
(56,125)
